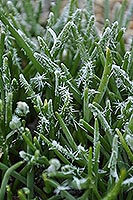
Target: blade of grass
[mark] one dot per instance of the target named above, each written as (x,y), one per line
(104,80)
(96,150)
(6,178)
(124,144)
(121,13)
(106,9)
(55,150)
(86,126)
(18,176)
(66,132)
(30,173)
(72,84)
(21,42)
(114,192)
(85,105)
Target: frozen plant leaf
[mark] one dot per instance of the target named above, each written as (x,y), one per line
(79,183)
(85,75)
(113,159)
(26,85)
(61,188)
(67,152)
(99,114)
(122,79)
(46,62)
(61,39)
(129,140)
(128,182)
(25,156)
(28,41)
(39,82)
(53,34)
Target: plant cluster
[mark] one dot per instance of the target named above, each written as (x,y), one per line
(66,103)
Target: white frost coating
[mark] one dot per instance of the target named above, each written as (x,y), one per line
(20,32)
(27,40)
(57,75)
(113,159)
(53,34)
(39,81)
(129,140)
(128,181)
(99,114)
(46,61)
(61,188)
(122,78)
(25,155)
(106,32)
(79,182)
(115,23)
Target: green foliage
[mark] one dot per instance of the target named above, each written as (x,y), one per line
(66,103)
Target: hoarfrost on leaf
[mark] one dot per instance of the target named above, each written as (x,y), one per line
(61,188)
(129,140)
(78,183)
(25,155)
(128,181)
(39,81)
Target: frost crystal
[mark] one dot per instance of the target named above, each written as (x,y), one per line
(39,81)
(128,181)
(85,75)
(113,159)
(61,188)
(129,140)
